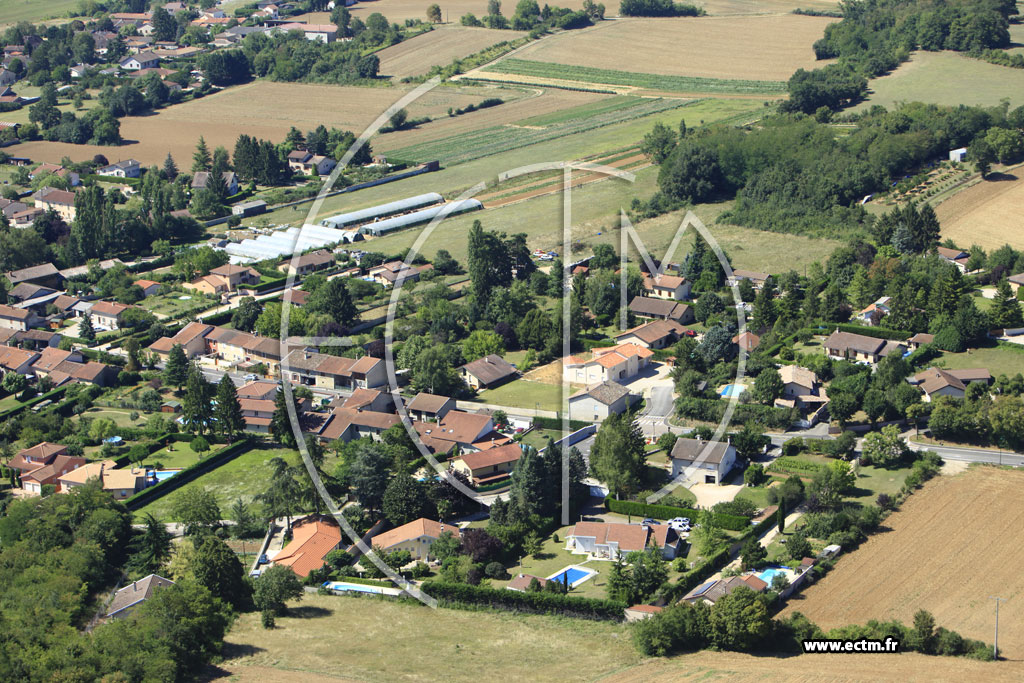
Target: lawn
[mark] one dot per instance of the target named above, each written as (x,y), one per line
(554,557)
(13,11)
(1000,360)
(758,495)
(872,481)
(120,416)
(524,393)
(171,305)
(538,438)
(177,454)
(244,477)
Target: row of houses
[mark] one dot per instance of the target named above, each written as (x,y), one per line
(58,365)
(48,464)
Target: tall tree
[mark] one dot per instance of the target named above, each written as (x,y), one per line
(201,159)
(228,411)
(369,476)
(333,299)
(170,170)
(216,567)
(489,263)
(617,456)
(280,422)
(405,500)
(196,408)
(150,547)
(176,369)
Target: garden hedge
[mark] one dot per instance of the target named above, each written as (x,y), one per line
(53,395)
(556,423)
(190,473)
(877,332)
(536,603)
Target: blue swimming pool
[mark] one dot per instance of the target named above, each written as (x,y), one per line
(770,573)
(162,475)
(574,575)
(730,390)
(342,586)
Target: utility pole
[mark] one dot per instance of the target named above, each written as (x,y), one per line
(995,643)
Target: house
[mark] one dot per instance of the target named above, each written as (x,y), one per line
(747,341)
(417,537)
(7,77)
(392,273)
(201,180)
(60,201)
(27,291)
(307,163)
(107,315)
(919,340)
(141,60)
(258,389)
(801,390)
(149,287)
(959,154)
(226,278)
(1016,281)
(664,309)
(71,177)
(607,540)
(657,334)
(713,459)
(609,364)
(935,382)
(13,359)
(20,319)
(134,594)
(859,348)
(46,475)
(129,168)
(251,208)
(334,372)
(346,424)
(797,381)
(257,413)
(522,582)
(90,372)
(489,466)
(756,279)
(674,287)
(308,263)
(32,339)
(466,431)
(641,612)
(312,538)
(713,590)
(369,399)
(598,401)
(33,458)
(958,257)
(487,372)
(191,338)
(429,407)
(325,33)
(874,312)
(50,358)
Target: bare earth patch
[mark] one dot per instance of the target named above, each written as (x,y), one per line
(439,47)
(987,213)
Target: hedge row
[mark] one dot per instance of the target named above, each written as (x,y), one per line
(536,603)
(190,473)
(52,395)
(877,332)
(556,423)
(632,507)
(713,410)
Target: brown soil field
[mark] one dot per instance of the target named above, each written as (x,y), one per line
(262,108)
(439,47)
(987,213)
(949,548)
(537,101)
(739,7)
(766,48)
(397,11)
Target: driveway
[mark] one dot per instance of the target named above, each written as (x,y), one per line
(708,495)
(660,402)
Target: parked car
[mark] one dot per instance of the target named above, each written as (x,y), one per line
(251,377)
(650,522)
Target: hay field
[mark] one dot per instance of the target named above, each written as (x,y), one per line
(13,11)
(262,108)
(766,48)
(386,641)
(441,46)
(954,543)
(946,78)
(397,11)
(987,213)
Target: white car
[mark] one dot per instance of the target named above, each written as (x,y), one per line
(680,520)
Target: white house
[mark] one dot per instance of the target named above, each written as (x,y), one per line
(616,363)
(129,168)
(714,465)
(599,401)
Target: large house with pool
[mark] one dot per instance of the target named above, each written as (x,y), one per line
(610,541)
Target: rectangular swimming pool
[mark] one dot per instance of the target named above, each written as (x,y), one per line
(574,576)
(342,586)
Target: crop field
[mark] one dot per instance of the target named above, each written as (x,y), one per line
(397,11)
(658,82)
(749,7)
(987,213)
(752,48)
(947,78)
(438,47)
(13,11)
(950,547)
(495,139)
(1016,39)
(263,109)
(385,641)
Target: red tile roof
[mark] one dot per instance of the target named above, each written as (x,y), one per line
(312,539)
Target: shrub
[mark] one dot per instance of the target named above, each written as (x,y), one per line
(495,570)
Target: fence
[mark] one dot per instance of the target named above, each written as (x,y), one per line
(213,461)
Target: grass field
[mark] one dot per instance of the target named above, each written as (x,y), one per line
(496,139)
(660,82)
(950,547)
(438,47)
(766,48)
(999,360)
(946,78)
(986,213)
(524,393)
(261,108)
(177,454)
(244,477)
(13,11)
(392,641)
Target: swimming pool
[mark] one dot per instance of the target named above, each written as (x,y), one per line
(730,390)
(575,575)
(162,475)
(342,586)
(770,573)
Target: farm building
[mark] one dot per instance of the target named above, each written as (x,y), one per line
(418,217)
(253,208)
(959,154)
(380,211)
(286,243)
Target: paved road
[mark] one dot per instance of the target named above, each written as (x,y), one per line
(972,454)
(660,403)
